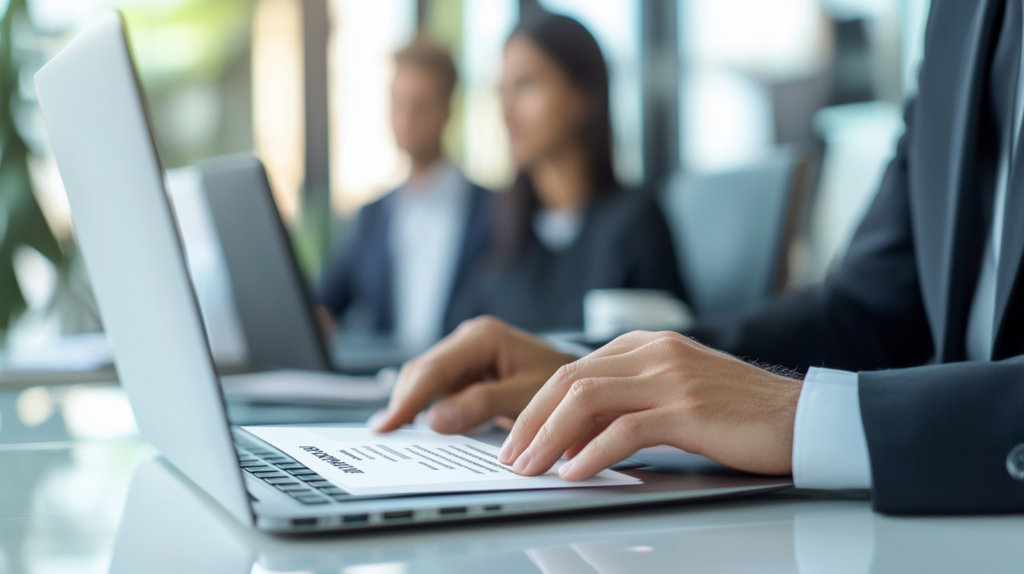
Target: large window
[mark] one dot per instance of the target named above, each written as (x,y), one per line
(731,50)
(486,26)
(365,162)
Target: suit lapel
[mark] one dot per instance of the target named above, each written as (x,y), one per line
(947,305)
(475,233)
(383,268)
(1010,255)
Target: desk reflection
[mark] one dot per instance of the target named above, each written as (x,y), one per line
(25,477)
(169,526)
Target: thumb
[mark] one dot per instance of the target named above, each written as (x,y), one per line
(481,402)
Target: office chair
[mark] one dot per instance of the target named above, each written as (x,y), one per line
(732,230)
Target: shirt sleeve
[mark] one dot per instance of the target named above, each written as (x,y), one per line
(830,449)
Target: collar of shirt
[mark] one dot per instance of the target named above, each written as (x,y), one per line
(427,221)
(442,181)
(557,230)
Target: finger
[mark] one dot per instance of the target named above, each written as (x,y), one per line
(505,423)
(595,429)
(623,437)
(622,361)
(634,340)
(480,402)
(535,414)
(638,337)
(586,400)
(457,360)
(376,418)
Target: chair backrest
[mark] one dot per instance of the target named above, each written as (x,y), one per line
(732,230)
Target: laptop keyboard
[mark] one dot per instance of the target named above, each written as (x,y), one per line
(287,475)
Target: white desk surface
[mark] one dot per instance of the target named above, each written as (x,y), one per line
(106,506)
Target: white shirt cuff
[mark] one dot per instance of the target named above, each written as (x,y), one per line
(830,449)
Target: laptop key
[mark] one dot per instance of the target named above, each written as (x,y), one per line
(255,469)
(332,490)
(289,466)
(254,464)
(309,477)
(271,474)
(318,483)
(301,471)
(311,499)
(283,480)
(294,488)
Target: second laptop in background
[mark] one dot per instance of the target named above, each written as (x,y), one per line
(274,305)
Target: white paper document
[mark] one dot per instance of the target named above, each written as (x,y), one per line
(411,461)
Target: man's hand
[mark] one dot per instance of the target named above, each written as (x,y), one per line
(647,389)
(485,369)
(325,319)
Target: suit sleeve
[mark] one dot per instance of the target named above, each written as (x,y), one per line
(867,314)
(337,287)
(939,437)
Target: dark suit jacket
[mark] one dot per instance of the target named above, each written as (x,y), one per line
(624,243)
(939,435)
(362,275)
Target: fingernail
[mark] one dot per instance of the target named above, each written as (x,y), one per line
(564,470)
(377,420)
(522,462)
(506,449)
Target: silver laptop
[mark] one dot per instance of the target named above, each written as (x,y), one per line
(96,119)
(170,527)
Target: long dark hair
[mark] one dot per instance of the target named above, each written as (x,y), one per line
(569,44)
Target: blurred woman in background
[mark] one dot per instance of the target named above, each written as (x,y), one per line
(565,227)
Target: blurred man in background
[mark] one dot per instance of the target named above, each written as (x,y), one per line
(412,248)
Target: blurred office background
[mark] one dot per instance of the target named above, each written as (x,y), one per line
(765,123)
(732,107)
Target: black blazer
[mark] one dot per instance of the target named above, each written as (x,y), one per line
(938,435)
(362,275)
(624,242)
